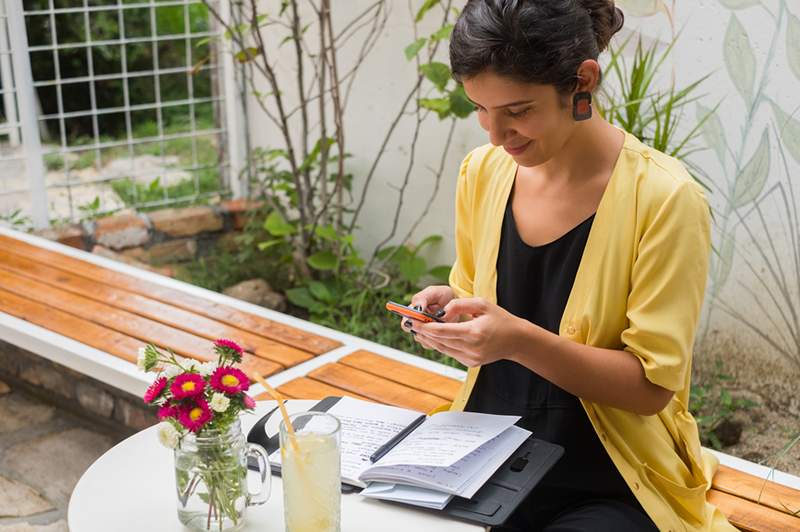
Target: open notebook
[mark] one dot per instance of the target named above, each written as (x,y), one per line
(449,454)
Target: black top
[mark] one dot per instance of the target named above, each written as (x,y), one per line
(534,283)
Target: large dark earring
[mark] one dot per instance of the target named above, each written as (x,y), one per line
(582,106)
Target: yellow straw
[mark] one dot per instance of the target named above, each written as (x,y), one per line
(277,396)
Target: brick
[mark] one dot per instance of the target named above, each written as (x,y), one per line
(19,411)
(179,250)
(110,254)
(69,235)
(134,416)
(228,241)
(94,399)
(186,222)
(50,379)
(121,231)
(4,388)
(240,210)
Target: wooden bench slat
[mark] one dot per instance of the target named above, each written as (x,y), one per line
(750,516)
(122,321)
(305,388)
(746,486)
(406,374)
(279,332)
(65,324)
(155,310)
(375,388)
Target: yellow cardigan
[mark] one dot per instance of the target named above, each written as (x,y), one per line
(639,287)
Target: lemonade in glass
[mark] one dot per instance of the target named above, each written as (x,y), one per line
(311,471)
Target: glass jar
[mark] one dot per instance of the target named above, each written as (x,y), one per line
(211,478)
(311,473)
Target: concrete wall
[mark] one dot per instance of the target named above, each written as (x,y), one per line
(750,48)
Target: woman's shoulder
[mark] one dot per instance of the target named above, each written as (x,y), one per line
(484,164)
(657,176)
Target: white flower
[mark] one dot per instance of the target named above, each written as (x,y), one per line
(168,435)
(140,361)
(190,364)
(207,368)
(172,371)
(219,403)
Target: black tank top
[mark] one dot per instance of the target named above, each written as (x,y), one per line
(534,283)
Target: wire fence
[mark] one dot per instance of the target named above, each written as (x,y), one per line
(123,103)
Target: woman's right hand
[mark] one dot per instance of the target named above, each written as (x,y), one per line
(431,300)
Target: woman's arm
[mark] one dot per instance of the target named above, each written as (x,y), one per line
(608,376)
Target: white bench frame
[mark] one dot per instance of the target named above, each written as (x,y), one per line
(126,376)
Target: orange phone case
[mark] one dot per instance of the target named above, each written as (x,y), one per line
(409,312)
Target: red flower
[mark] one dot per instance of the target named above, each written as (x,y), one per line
(187,385)
(155,389)
(248,401)
(167,411)
(195,414)
(229,344)
(229,380)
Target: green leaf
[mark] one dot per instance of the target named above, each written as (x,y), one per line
(322,260)
(750,182)
(425,8)
(248,54)
(739,4)
(640,8)
(724,261)
(440,105)
(460,105)
(413,268)
(320,291)
(301,297)
(427,241)
(413,49)
(739,59)
(437,73)
(789,129)
(326,232)
(276,225)
(385,252)
(793,45)
(263,246)
(440,273)
(713,133)
(443,33)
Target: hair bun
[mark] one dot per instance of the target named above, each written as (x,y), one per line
(607,19)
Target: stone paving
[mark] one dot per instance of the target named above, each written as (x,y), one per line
(44,450)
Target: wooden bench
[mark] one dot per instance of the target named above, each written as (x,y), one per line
(92,314)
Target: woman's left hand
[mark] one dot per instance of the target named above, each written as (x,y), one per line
(491,333)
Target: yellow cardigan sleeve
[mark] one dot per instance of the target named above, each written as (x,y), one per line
(462,274)
(668,282)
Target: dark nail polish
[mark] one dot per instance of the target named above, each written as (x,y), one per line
(413,333)
(418,307)
(440,313)
(408,323)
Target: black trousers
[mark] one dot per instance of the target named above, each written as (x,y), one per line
(554,513)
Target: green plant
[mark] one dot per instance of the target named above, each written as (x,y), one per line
(16,219)
(712,403)
(652,115)
(91,210)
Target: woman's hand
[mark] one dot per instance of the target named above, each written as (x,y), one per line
(491,333)
(431,300)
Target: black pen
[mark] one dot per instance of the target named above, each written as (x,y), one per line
(400,436)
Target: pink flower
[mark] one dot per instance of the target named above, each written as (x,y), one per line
(229,380)
(187,385)
(167,411)
(248,401)
(229,344)
(155,389)
(195,414)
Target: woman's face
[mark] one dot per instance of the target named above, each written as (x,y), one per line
(528,120)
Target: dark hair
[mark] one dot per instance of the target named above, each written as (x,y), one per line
(537,41)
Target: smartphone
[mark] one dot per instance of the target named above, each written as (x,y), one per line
(410,312)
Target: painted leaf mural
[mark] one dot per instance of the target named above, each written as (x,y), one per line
(751,180)
(793,45)
(739,59)
(724,261)
(739,4)
(789,129)
(713,133)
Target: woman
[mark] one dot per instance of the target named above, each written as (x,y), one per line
(581,264)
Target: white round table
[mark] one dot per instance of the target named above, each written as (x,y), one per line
(131,488)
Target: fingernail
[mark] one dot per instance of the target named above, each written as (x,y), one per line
(417,307)
(413,333)
(408,323)
(440,313)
